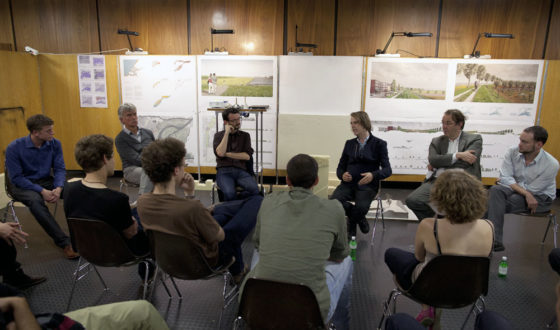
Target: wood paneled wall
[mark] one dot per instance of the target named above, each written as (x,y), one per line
(550,111)
(257,25)
(463,20)
(553,41)
(315,20)
(19,87)
(61,102)
(339,27)
(366,25)
(162,25)
(6,32)
(56,26)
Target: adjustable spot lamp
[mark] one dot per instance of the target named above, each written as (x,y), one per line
(215,31)
(476,53)
(401,34)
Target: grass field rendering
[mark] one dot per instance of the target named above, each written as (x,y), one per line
(495,83)
(240,86)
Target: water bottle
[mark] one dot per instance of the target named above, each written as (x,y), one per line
(503,267)
(353,246)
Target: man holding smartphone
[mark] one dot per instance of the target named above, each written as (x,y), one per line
(233,151)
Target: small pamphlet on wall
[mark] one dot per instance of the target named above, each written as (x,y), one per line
(92,81)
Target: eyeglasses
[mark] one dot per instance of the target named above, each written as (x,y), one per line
(448,123)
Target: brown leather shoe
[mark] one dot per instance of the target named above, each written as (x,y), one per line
(69,253)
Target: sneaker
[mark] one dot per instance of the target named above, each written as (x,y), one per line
(364,226)
(69,253)
(426,317)
(498,246)
(23,281)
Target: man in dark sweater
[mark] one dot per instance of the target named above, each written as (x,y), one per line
(233,154)
(364,162)
(130,142)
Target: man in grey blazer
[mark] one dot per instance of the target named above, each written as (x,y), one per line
(130,142)
(454,149)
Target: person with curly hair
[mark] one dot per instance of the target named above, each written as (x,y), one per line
(460,199)
(219,234)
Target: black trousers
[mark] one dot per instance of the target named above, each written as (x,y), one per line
(34,201)
(8,263)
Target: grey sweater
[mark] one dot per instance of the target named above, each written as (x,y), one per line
(130,149)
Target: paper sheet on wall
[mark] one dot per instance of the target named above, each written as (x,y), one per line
(406,99)
(163,89)
(92,81)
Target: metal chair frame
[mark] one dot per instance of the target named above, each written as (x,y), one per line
(551,215)
(378,212)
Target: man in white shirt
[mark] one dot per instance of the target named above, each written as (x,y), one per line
(454,149)
(527,181)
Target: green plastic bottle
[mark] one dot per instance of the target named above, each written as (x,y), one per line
(503,267)
(353,246)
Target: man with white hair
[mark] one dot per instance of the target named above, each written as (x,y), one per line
(130,142)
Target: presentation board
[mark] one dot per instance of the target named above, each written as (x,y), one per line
(320,85)
(163,89)
(245,81)
(406,99)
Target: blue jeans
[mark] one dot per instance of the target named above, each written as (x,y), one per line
(339,282)
(237,218)
(229,177)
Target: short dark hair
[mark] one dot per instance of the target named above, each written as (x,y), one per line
(363,119)
(302,171)
(37,122)
(457,116)
(227,112)
(539,133)
(161,157)
(89,151)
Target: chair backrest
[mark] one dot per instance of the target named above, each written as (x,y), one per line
(277,305)
(177,256)
(99,243)
(450,281)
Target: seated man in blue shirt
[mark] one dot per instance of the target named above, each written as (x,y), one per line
(29,161)
(527,181)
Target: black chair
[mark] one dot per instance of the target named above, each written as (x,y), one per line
(267,305)
(178,257)
(99,244)
(447,281)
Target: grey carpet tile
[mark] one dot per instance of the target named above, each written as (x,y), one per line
(526,296)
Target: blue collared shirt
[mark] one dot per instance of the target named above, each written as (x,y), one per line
(27,163)
(539,177)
